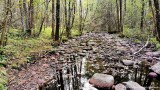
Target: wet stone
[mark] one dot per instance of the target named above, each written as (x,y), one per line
(131,85)
(120,87)
(102,81)
(156,68)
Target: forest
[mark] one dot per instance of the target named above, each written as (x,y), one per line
(80,45)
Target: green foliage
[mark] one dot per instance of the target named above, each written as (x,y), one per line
(135,33)
(131,32)
(75,32)
(46,33)
(154,41)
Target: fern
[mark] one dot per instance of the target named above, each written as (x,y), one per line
(3,78)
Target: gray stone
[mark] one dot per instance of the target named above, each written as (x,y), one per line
(154,54)
(120,87)
(91,43)
(156,68)
(128,62)
(133,85)
(102,81)
(82,54)
(82,44)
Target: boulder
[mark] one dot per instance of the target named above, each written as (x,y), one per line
(102,81)
(128,62)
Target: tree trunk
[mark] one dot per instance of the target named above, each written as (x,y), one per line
(156,4)
(22,16)
(142,16)
(28,31)
(80,16)
(125,6)
(118,23)
(31,15)
(74,12)
(154,19)
(57,19)
(53,20)
(5,23)
(121,17)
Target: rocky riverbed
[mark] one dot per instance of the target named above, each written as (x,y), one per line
(80,64)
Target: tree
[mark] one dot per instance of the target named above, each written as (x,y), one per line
(70,16)
(121,16)
(44,17)
(22,15)
(154,19)
(31,15)
(118,19)
(82,16)
(156,4)
(6,22)
(142,16)
(53,20)
(26,12)
(57,20)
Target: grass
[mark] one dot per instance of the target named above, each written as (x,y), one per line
(18,49)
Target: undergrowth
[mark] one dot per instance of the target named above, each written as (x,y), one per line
(138,36)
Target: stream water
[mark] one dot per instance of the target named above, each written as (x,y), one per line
(76,75)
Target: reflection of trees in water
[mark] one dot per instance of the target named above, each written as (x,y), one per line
(69,77)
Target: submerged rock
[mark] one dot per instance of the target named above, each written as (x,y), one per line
(128,62)
(102,81)
(152,75)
